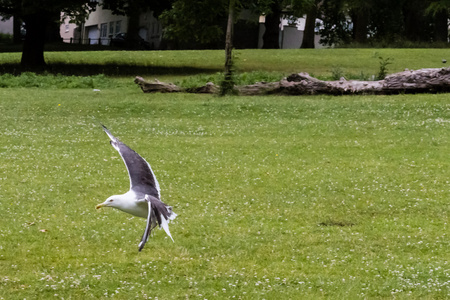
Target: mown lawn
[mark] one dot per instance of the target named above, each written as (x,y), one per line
(277,197)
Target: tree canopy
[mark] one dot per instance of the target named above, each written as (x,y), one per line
(37,16)
(132,9)
(196,22)
(384,21)
(202,23)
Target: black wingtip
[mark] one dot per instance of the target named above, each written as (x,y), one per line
(111,137)
(142,244)
(95,120)
(100,123)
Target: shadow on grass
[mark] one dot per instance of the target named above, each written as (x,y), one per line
(49,47)
(336,223)
(108,69)
(111,69)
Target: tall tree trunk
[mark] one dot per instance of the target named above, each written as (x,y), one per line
(33,46)
(310,24)
(133,37)
(17,36)
(441,26)
(360,19)
(271,36)
(52,33)
(227,85)
(414,20)
(229,42)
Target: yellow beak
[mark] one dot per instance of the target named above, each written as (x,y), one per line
(100,205)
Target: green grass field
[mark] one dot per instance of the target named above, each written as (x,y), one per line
(277,197)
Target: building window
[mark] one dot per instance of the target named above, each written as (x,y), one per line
(111,28)
(118,26)
(103,30)
(67,27)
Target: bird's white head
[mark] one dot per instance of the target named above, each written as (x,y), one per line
(112,201)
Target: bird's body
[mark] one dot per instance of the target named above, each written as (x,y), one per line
(130,205)
(143,199)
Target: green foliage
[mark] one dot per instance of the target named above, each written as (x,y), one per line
(436,6)
(46,8)
(336,27)
(387,23)
(337,72)
(228,82)
(227,85)
(383,67)
(38,16)
(128,7)
(257,76)
(364,76)
(5,38)
(198,80)
(49,81)
(189,23)
(244,78)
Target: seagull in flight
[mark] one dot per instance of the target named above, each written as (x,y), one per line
(144,198)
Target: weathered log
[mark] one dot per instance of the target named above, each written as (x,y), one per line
(408,81)
(209,88)
(157,86)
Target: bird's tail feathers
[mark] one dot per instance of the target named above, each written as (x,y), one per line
(162,213)
(172,215)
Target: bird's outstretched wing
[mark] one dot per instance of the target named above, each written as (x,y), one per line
(139,170)
(158,213)
(151,223)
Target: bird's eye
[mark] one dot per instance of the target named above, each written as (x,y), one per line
(111,200)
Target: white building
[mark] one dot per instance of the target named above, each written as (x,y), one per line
(68,31)
(102,25)
(6,26)
(291,33)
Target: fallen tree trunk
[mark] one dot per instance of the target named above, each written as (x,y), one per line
(157,86)
(408,81)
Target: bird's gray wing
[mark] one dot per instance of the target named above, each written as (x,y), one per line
(151,223)
(139,170)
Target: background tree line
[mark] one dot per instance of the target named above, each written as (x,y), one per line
(202,23)
(383,22)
